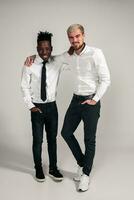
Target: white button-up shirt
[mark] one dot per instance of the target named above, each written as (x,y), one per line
(90,72)
(31,80)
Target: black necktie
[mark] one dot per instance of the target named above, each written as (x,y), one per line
(43,82)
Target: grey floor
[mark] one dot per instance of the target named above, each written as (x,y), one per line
(112,177)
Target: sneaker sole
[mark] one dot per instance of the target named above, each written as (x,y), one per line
(77,180)
(55,179)
(39,180)
(80,190)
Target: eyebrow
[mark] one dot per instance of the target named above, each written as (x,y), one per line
(74,36)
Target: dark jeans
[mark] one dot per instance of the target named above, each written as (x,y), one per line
(49,118)
(89,114)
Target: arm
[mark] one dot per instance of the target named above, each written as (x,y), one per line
(65,57)
(25,87)
(103,75)
(30,59)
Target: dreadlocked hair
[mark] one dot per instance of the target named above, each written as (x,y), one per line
(44,36)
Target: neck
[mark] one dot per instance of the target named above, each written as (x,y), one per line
(78,51)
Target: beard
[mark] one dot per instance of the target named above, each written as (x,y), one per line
(77,46)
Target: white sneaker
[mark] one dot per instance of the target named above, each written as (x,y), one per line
(84,183)
(79,174)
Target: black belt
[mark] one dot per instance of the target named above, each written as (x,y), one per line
(83,98)
(46,103)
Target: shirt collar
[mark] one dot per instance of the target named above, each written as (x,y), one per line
(39,60)
(85,49)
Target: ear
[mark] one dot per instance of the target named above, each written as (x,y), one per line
(51,48)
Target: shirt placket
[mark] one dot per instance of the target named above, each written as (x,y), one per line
(78,71)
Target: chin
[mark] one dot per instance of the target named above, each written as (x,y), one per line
(76,48)
(44,58)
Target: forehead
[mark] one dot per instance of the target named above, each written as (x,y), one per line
(44,44)
(75,32)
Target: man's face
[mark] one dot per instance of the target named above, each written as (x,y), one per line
(44,50)
(76,38)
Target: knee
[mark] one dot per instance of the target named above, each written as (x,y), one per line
(91,143)
(65,134)
(51,140)
(37,141)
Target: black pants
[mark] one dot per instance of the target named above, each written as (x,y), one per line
(49,118)
(90,115)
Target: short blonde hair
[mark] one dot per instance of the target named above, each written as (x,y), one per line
(75,26)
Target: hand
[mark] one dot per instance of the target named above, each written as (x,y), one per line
(35,109)
(89,101)
(29,60)
(71,51)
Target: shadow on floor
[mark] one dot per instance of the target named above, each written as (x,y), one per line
(15,160)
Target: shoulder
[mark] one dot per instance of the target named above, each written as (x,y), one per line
(94,49)
(58,58)
(91,51)
(96,52)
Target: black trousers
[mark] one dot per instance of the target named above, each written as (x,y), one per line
(89,114)
(49,118)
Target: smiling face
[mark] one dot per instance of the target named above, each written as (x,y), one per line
(44,50)
(76,38)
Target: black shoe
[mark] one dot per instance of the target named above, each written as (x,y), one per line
(40,175)
(55,174)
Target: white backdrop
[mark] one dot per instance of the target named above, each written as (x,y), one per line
(109,26)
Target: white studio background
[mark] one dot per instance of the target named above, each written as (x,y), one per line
(109,26)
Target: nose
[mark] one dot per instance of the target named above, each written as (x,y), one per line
(74,39)
(44,51)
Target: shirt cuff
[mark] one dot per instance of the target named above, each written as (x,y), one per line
(95,98)
(30,105)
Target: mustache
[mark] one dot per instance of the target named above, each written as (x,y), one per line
(75,43)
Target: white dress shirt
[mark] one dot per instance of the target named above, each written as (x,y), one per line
(90,72)
(31,80)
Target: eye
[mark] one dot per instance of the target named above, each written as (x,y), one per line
(40,50)
(47,49)
(77,36)
(70,37)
